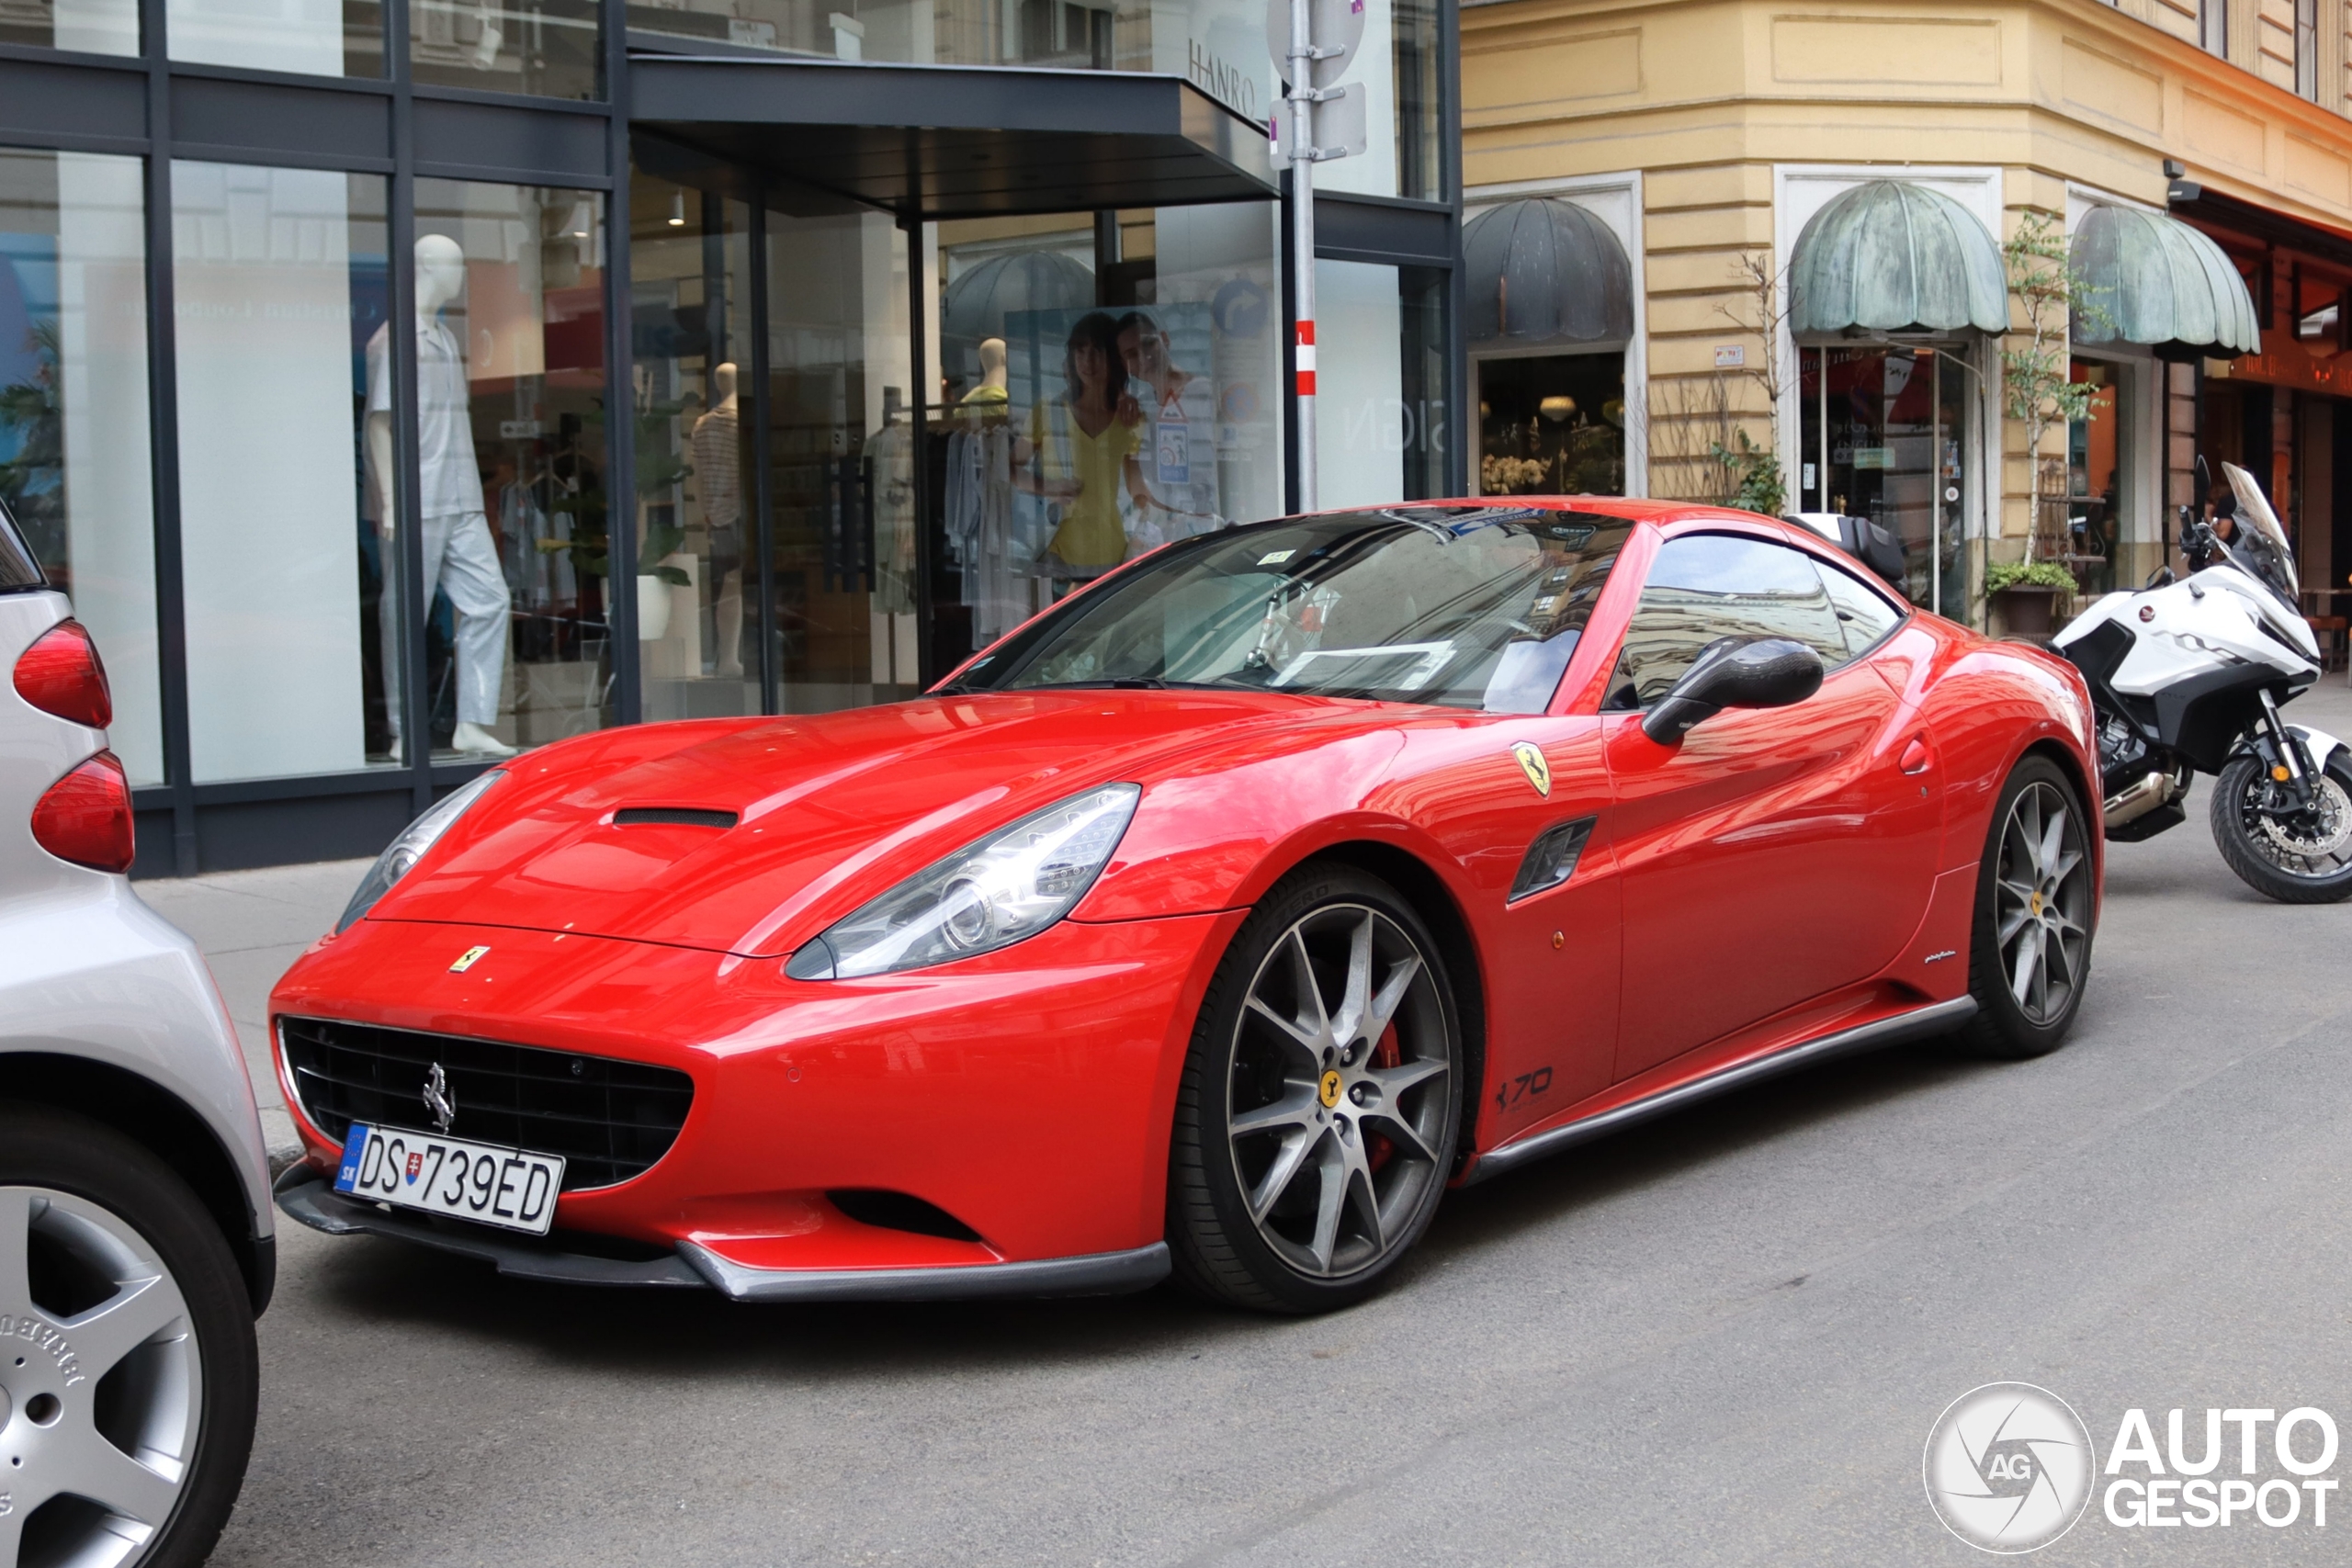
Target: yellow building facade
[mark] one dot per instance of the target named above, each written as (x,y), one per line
(1706,135)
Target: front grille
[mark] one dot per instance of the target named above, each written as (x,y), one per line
(610,1121)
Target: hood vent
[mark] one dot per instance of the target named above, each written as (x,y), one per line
(671,816)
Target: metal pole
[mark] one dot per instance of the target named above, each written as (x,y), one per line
(1302,237)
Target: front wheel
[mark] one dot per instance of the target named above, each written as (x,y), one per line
(2280,846)
(2031,949)
(127,1403)
(1316,1120)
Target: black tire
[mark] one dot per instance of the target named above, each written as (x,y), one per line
(1378,1116)
(60,1153)
(2058,911)
(2325,876)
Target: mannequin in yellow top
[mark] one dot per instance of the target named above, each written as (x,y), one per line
(1082,447)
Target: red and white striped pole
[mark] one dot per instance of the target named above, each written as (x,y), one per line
(1302,238)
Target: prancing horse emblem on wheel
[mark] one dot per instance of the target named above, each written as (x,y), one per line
(1329,1090)
(1532,763)
(438,1100)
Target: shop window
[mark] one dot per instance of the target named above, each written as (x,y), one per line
(280,282)
(694,402)
(547,47)
(1380,411)
(2098,474)
(1553,425)
(1107,388)
(516,520)
(92,27)
(321,38)
(73,411)
(1886,436)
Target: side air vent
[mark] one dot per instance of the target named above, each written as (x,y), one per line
(671,816)
(1551,858)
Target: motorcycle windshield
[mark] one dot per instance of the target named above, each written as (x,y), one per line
(2260,549)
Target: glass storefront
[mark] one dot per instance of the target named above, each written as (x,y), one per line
(510,442)
(73,411)
(1107,385)
(280,281)
(1552,425)
(2099,474)
(550,48)
(93,26)
(321,38)
(1885,437)
(1381,416)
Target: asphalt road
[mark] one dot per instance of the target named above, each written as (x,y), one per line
(1719,1339)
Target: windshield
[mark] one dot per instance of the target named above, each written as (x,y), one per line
(1461,606)
(2261,549)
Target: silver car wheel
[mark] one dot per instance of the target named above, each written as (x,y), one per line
(2042,902)
(101,1384)
(1339,1088)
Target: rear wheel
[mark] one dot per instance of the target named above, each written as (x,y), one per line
(128,1386)
(1315,1122)
(2280,846)
(2030,948)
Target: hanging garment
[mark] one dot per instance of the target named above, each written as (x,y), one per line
(892,453)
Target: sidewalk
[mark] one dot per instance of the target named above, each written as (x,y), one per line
(252,926)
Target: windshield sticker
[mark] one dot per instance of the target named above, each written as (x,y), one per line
(1275,557)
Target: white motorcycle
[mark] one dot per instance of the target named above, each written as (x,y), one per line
(2188,677)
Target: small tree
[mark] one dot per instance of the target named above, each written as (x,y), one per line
(2034,382)
(1762,486)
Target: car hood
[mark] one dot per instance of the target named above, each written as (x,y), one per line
(829,810)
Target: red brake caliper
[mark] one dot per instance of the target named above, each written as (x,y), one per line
(1387,1053)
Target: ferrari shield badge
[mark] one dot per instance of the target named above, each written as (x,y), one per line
(471,956)
(1532,763)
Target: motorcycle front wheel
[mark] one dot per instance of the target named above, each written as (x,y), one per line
(2279,847)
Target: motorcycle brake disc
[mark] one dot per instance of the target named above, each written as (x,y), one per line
(2322,830)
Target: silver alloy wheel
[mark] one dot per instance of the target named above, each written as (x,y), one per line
(101,1385)
(2042,898)
(1340,1089)
(2323,851)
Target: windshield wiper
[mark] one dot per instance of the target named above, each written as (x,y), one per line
(1109,683)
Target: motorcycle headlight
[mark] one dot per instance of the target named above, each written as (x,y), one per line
(1006,887)
(400,857)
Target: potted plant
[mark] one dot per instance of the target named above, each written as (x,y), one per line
(2025,592)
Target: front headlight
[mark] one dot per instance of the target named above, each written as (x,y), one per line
(989,894)
(400,856)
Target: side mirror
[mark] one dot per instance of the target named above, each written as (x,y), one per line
(1734,673)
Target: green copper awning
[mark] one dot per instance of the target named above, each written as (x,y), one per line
(2153,279)
(1891,257)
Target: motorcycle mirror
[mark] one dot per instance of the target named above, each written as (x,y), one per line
(2204,483)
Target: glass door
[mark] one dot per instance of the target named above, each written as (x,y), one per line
(1886,438)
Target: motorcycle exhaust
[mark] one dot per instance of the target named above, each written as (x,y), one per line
(2135,800)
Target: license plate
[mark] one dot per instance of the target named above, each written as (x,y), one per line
(512,1189)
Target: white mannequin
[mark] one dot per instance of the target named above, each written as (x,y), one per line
(460,557)
(716,454)
(991,389)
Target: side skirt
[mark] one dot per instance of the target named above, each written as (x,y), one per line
(1920,1024)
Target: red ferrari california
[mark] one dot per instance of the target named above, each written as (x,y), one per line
(1214,921)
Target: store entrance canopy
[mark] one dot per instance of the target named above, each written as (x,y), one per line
(1891,257)
(958,141)
(2153,279)
(1546,272)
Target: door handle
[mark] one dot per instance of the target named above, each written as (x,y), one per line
(1915,757)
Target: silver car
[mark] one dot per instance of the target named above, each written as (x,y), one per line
(136,1243)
